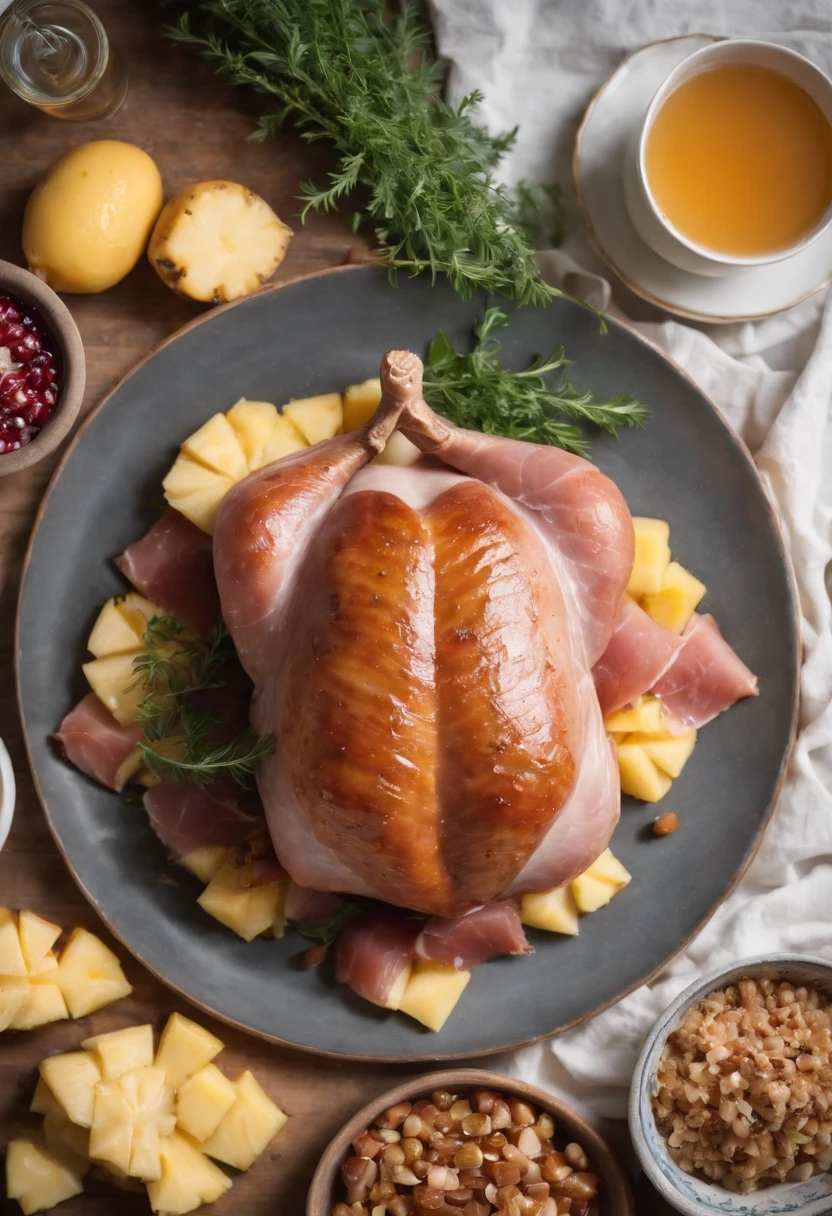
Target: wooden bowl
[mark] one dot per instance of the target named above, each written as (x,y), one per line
(26,286)
(617,1199)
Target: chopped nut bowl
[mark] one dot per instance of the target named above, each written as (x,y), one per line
(731,1101)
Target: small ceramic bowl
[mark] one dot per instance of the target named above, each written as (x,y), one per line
(690,1195)
(616,1197)
(16,281)
(8,793)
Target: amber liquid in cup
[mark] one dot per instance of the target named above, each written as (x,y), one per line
(739,161)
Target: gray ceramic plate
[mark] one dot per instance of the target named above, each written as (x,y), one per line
(312,336)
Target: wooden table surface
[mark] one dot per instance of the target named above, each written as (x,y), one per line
(195,128)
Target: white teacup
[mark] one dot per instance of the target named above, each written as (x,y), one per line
(653,227)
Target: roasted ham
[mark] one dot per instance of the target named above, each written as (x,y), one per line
(706,677)
(467,941)
(184,816)
(374,952)
(173,566)
(94,742)
(637,656)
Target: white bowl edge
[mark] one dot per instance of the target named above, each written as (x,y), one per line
(8,793)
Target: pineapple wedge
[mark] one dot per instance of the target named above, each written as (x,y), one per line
(205,860)
(360,403)
(120,625)
(553,910)
(669,755)
(644,715)
(203,1101)
(66,1141)
(184,1049)
(13,992)
(216,446)
(42,1003)
(432,991)
(37,937)
(284,440)
(196,492)
(596,886)
(130,1116)
(652,556)
(71,1079)
(89,974)
(243,1133)
(640,777)
(121,1051)
(677,600)
(253,423)
(12,961)
(114,681)
(36,1178)
(248,911)
(188,1178)
(317,418)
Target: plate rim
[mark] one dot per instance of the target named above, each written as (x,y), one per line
(606,257)
(481,1053)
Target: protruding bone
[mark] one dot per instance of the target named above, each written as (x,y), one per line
(401,380)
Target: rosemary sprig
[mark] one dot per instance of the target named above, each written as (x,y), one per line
(326,931)
(474,390)
(416,169)
(176,667)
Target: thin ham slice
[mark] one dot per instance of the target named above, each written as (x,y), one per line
(467,941)
(173,565)
(706,676)
(373,951)
(637,656)
(184,816)
(94,742)
(316,906)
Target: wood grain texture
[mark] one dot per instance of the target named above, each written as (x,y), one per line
(195,128)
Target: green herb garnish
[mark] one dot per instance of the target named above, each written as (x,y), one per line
(474,390)
(326,931)
(417,171)
(175,668)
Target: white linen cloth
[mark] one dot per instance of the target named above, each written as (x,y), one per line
(538,63)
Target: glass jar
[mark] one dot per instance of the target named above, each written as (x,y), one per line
(55,54)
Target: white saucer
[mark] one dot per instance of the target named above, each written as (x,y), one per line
(743,294)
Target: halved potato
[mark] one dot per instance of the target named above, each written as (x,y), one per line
(217,241)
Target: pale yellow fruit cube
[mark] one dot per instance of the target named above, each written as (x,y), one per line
(113,633)
(360,403)
(652,556)
(591,893)
(120,1051)
(13,992)
(609,869)
(432,992)
(89,974)
(398,451)
(203,1101)
(196,492)
(128,768)
(248,911)
(555,911)
(283,441)
(188,1178)
(43,1003)
(317,418)
(71,1079)
(184,1048)
(216,446)
(36,1178)
(243,1133)
(130,1115)
(111,1126)
(670,755)
(37,937)
(44,971)
(253,422)
(115,681)
(679,597)
(205,860)
(66,1141)
(11,955)
(643,715)
(42,1099)
(639,775)
(114,1177)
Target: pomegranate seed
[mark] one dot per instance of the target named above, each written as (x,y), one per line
(29,394)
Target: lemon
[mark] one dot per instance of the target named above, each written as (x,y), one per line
(88,220)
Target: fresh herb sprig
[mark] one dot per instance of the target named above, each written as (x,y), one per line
(475,390)
(417,171)
(177,724)
(325,932)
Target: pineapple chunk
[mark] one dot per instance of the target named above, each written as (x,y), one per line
(36,1178)
(130,1116)
(184,1049)
(253,422)
(196,492)
(243,1133)
(248,911)
(644,715)
(678,599)
(43,1003)
(13,992)
(360,403)
(11,955)
(128,768)
(203,1101)
(432,992)
(121,1051)
(216,446)
(112,633)
(284,440)
(609,869)
(639,775)
(37,937)
(553,910)
(597,885)
(398,451)
(188,1178)
(670,755)
(42,1099)
(205,860)
(71,1079)
(652,556)
(89,974)
(317,418)
(114,681)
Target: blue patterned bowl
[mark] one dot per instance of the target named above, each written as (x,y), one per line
(689,1195)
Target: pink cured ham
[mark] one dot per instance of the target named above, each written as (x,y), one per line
(94,742)
(173,566)
(315,906)
(464,942)
(184,816)
(706,677)
(367,602)
(638,654)
(372,952)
